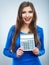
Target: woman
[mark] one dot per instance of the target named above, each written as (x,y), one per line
(25,24)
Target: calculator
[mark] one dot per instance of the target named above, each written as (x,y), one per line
(27,42)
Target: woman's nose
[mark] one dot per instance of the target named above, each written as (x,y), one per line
(27,14)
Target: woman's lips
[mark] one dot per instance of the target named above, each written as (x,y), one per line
(27,19)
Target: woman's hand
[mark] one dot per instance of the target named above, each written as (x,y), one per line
(35,51)
(19,52)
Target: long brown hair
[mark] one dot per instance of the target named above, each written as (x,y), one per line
(19,23)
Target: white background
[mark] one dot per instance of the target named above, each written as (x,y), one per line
(8,14)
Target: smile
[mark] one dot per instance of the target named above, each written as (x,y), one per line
(27,19)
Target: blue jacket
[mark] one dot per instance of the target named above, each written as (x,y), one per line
(28,58)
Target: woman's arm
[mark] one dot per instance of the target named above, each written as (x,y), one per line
(6,50)
(39,48)
(42,49)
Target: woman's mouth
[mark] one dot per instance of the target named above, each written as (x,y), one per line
(27,19)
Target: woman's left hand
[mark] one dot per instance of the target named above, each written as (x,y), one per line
(35,51)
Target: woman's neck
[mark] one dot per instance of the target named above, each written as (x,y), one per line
(25,29)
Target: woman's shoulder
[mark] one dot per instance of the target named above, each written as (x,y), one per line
(12,28)
(39,28)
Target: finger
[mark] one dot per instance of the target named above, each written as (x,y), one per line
(21,49)
(20,52)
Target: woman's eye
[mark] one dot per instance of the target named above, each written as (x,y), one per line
(30,12)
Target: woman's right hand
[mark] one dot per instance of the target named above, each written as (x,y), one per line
(19,52)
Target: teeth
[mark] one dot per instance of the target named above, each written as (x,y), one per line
(27,19)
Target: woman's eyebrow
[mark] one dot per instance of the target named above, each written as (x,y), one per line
(23,11)
(30,11)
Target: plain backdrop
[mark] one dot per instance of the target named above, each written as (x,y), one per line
(8,14)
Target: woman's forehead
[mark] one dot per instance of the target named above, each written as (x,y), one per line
(27,8)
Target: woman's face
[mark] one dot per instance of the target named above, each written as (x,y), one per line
(27,15)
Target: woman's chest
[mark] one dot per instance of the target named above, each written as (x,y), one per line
(18,40)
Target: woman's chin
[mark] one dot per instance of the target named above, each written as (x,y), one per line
(27,22)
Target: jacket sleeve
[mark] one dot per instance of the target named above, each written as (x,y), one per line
(6,50)
(42,49)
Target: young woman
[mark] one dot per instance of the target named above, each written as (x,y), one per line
(25,24)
